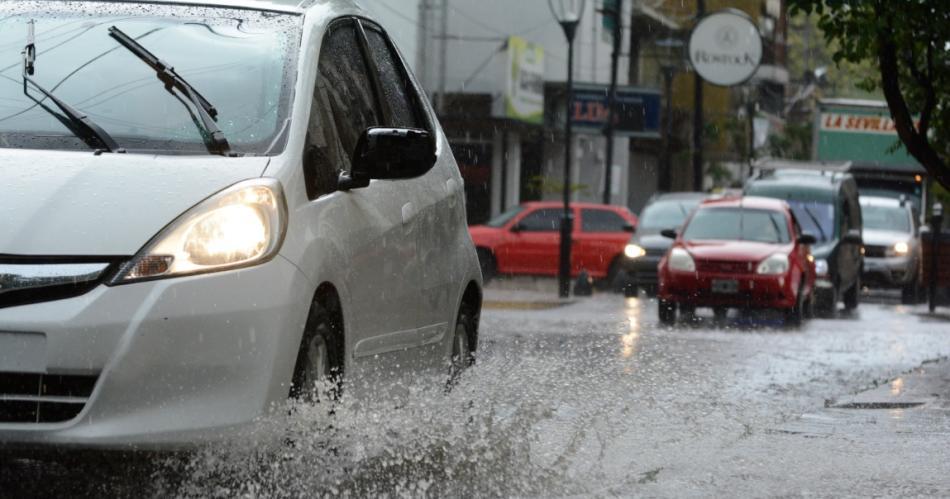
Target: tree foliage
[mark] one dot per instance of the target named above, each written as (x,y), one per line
(910,42)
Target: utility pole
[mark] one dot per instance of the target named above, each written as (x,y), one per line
(609,130)
(698,115)
(443,55)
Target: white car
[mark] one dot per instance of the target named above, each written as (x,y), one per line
(207,207)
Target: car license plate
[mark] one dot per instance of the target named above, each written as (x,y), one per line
(726,286)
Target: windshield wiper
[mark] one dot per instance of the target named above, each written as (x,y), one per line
(814,219)
(213,136)
(78,123)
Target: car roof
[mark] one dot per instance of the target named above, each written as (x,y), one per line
(751,202)
(559,204)
(679,196)
(880,201)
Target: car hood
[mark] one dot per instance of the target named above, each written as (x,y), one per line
(651,241)
(733,251)
(884,237)
(78,204)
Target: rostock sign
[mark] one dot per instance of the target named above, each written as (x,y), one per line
(725,48)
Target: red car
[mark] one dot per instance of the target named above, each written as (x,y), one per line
(738,253)
(526,239)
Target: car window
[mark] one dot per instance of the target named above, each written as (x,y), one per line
(346,84)
(816,218)
(543,220)
(396,88)
(593,220)
(243,62)
(665,215)
(886,218)
(502,219)
(738,224)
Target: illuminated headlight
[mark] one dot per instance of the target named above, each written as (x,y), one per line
(899,249)
(776,264)
(681,261)
(241,226)
(633,251)
(821,267)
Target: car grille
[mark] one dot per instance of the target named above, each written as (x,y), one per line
(725,267)
(25,280)
(43,398)
(656,252)
(875,251)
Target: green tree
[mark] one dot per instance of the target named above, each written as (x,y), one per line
(910,42)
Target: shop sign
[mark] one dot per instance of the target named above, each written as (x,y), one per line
(637,111)
(524,85)
(725,48)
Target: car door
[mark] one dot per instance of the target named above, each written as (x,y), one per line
(533,244)
(433,213)
(382,264)
(602,237)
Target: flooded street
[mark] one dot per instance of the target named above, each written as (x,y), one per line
(592,398)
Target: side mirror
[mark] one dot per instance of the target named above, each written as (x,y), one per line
(389,154)
(516,228)
(668,233)
(853,236)
(807,239)
(629,228)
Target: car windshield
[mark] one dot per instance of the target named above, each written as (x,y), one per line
(500,220)
(737,224)
(665,215)
(816,218)
(885,218)
(239,60)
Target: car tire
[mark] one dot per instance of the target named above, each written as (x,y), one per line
(617,277)
(809,311)
(795,316)
(828,305)
(909,293)
(487,264)
(462,356)
(320,357)
(720,313)
(852,297)
(667,312)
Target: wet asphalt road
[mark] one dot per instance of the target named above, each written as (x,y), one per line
(592,398)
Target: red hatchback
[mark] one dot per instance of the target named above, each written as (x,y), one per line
(738,253)
(526,239)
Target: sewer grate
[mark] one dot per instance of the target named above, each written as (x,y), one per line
(879,405)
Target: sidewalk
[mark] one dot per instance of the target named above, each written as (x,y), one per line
(907,404)
(524,293)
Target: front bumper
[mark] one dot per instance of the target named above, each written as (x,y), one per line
(753,291)
(889,272)
(176,362)
(643,271)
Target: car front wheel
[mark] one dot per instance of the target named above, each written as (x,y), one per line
(462,353)
(667,312)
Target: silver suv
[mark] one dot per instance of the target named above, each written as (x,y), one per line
(892,257)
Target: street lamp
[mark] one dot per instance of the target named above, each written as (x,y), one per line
(568,14)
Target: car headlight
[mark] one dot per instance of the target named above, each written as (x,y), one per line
(776,264)
(634,251)
(681,261)
(821,267)
(899,249)
(240,226)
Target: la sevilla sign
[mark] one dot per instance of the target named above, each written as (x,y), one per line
(725,48)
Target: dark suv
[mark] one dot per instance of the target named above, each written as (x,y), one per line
(826,206)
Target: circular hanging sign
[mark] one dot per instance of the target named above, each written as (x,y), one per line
(725,48)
